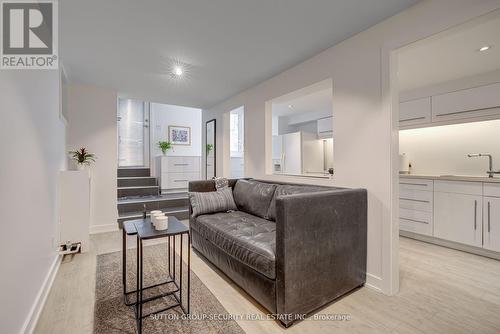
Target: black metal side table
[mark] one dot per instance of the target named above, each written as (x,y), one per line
(130,230)
(146,231)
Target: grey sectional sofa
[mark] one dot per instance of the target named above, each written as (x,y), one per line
(293,248)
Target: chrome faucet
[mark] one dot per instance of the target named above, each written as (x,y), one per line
(490,172)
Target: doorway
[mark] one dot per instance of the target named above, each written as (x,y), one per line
(445,89)
(133,133)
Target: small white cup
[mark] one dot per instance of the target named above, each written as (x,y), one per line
(161,223)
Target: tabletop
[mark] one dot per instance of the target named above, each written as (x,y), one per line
(146,230)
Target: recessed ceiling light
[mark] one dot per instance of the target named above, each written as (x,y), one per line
(484,48)
(178,71)
(290,106)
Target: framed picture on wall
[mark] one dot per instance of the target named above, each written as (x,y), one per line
(179,135)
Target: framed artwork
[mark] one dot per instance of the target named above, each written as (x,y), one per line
(179,135)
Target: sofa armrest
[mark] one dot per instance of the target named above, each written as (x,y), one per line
(320,248)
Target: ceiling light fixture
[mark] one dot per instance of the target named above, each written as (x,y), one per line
(178,71)
(484,48)
(290,106)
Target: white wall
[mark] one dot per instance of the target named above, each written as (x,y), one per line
(33,153)
(92,124)
(164,115)
(365,129)
(443,150)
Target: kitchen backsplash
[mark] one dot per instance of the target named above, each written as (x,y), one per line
(443,150)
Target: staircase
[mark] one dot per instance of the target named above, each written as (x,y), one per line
(137,188)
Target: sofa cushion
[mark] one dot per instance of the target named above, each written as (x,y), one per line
(247,238)
(289,189)
(253,197)
(212,201)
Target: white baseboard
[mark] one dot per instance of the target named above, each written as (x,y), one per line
(373,282)
(41,298)
(95,229)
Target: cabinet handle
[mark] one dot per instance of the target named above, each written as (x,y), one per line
(414,200)
(181,164)
(456,113)
(412,119)
(414,184)
(415,220)
(475,215)
(181,180)
(489,224)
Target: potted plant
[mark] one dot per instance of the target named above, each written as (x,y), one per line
(210,147)
(82,158)
(165,146)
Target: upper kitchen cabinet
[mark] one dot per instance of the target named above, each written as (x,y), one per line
(415,112)
(325,127)
(475,102)
(454,74)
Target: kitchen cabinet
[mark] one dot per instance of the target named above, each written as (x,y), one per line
(325,127)
(458,208)
(465,212)
(458,218)
(491,226)
(415,206)
(415,112)
(466,103)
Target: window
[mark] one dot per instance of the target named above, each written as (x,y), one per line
(236,141)
(236,132)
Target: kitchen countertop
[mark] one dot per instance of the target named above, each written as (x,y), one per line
(469,178)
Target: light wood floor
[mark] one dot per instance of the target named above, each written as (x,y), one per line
(442,291)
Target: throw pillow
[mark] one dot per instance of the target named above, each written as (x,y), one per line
(221,182)
(212,201)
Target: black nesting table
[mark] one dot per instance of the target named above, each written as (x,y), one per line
(145,230)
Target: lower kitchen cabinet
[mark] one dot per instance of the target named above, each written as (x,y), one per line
(491,226)
(458,218)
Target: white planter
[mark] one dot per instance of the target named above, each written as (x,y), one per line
(80,166)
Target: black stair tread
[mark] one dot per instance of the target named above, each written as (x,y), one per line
(137,187)
(153,198)
(135,177)
(134,214)
(132,167)
(133,172)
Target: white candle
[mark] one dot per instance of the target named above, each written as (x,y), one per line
(154,214)
(161,223)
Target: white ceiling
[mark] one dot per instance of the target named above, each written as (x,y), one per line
(227,45)
(451,55)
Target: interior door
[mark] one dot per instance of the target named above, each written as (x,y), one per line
(458,217)
(133,133)
(491,223)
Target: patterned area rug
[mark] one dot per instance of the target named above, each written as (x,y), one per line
(113,316)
